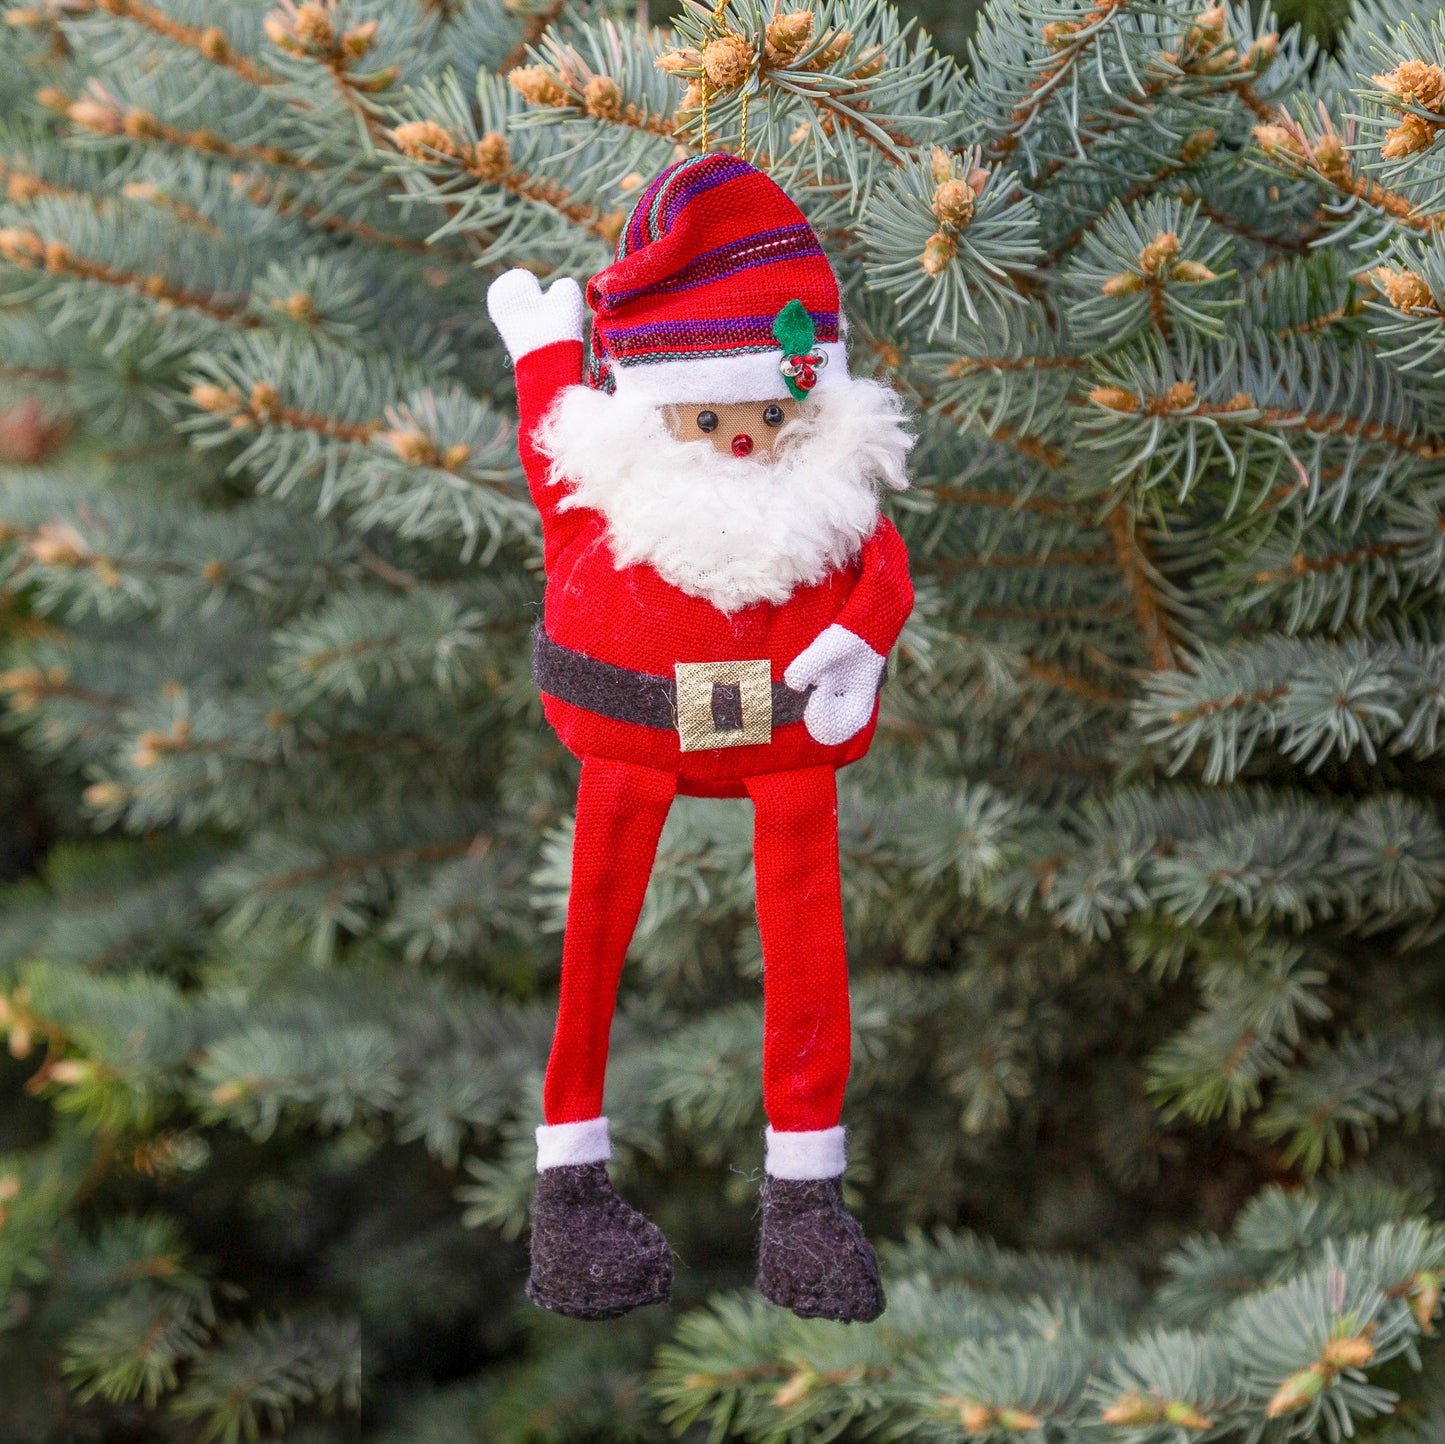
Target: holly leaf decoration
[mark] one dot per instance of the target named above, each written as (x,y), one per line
(794,331)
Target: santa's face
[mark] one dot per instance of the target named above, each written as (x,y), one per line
(735,525)
(737,428)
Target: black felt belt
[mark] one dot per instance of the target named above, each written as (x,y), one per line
(642,698)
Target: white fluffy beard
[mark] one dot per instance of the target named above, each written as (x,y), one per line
(734,531)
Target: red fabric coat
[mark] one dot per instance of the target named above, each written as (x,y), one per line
(632,618)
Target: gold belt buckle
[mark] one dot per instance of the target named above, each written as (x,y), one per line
(724,704)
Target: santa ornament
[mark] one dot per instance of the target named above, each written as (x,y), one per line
(722,593)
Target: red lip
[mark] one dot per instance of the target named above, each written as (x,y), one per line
(742,444)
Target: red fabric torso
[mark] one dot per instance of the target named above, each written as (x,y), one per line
(632,618)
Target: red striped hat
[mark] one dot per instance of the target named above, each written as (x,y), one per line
(692,309)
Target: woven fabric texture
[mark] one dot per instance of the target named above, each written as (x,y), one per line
(712,252)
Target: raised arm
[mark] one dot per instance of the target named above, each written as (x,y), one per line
(542,331)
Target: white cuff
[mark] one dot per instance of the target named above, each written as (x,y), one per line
(559,1144)
(530,318)
(815,1153)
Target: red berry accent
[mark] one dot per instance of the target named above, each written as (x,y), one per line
(807,378)
(742,444)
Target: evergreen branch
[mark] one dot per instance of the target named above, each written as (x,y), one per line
(272,197)
(210,43)
(1138,573)
(26,249)
(99,113)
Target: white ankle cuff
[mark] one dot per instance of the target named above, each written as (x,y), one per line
(815,1153)
(559,1144)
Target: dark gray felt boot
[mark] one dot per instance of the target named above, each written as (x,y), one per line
(593,1256)
(812,1255)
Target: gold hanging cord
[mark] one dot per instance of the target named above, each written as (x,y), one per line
(716,28)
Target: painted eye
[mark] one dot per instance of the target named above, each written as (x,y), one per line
(707,420)
(773,415)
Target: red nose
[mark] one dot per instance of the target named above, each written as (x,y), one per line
(742,444)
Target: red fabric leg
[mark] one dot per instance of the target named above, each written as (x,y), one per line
(620,812)
(807,1036)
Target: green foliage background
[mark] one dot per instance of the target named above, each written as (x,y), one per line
(1144,873)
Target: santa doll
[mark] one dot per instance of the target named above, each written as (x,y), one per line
(722,593)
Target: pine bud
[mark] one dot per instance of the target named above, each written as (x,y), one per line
(9,1188)
(1192,271)
(1197,146)
(263,399)
(105,796)
(23,17)
(314,28)
(225,1094)
(1180,395)
(1296,1392)
(1056,33)
(870,63)
(1159,254)
(975,1417)
(214,45)
(1425,1300)
(276,719)
(424,139)
(686,61)
(1348,1353)
(1408,138)
(456,457)
(691,97)
(71,1071)
(298,306)
(412,447)
(630,181)
(1416,82)
(215,399)
(1330,157)
(940,165)
(491,156)
(603,97)
(1208,28)
(797,1388)
(21,679)
(1275,140)
(940,250)
(1132,1410)
(835,47)
(609,227)
(140,125)
(727,61)
(953,203)
(360,38)
(21,247)
(1115,398)
(51,97)
(279,34)
(100,116)
(215,572)
(537,86)
(1261,53)
(1125,283)
(1183,1413)
(786,36)
(58,544)
(1019,1420)
(1404,290)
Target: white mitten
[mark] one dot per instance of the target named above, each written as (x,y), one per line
(530,318)
(844,670)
